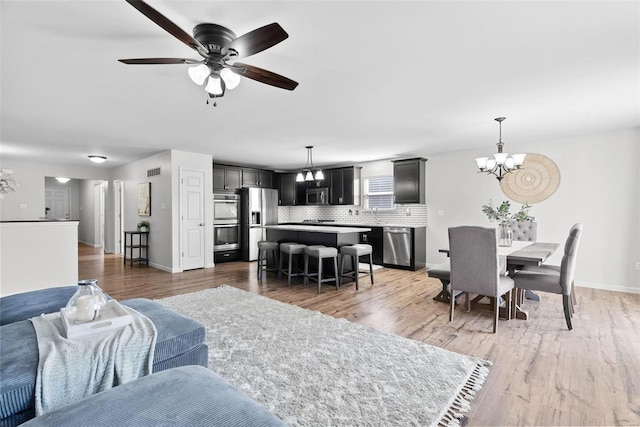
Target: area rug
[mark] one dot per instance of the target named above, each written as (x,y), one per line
(311,369)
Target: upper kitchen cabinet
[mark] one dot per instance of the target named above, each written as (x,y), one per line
(226,178)
(287,195)
(344,185)
(409,181)
(257,178)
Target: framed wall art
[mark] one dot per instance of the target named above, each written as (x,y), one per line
(144,199)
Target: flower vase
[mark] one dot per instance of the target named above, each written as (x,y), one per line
(505,235)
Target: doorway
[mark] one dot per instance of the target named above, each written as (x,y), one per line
(56,202)
(98,223)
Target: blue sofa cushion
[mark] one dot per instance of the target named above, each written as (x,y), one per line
(190,396)
(179,342)
(176,333)
(26,305)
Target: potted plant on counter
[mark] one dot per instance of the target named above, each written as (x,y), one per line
(502,215)
(143,226)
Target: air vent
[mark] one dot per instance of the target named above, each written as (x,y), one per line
(153,172)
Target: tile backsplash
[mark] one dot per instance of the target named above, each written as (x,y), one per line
(410,215)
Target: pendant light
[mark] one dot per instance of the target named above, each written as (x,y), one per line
(307,174)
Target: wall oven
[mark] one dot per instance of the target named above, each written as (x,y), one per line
(226,209)
(226,227)
(226,237)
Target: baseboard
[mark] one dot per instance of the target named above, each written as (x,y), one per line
(164,268)
(608,287)
(93,245)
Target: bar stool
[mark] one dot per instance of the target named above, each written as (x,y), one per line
(264,249)
(355,252)
(291,249)
(321,252)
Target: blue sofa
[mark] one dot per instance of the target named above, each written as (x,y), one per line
(180,342)
(189,396)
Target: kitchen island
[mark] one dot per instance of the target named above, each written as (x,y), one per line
(315,234)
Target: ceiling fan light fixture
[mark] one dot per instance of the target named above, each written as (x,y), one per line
(215,86)
(231,79)
(199,74)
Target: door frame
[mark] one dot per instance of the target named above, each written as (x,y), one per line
(118,194)
(182,221)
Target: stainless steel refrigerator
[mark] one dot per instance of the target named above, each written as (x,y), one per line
(259,207)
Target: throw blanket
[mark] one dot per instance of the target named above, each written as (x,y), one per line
(70,370)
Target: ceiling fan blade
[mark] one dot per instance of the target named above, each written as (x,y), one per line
(168,26)
(263,76)
(152,61)
(258,40)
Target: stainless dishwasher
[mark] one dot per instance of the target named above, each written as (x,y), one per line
(397,246)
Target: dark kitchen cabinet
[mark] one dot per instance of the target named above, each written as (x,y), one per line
(291,192)
(287,189)
(344,185)
(226,178)
(257,178)
(409,181)
(374,238)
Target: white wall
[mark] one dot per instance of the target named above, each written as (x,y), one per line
(599,187)
(164,222)
(30,193)
(38,255)
(181,160)
(160,221)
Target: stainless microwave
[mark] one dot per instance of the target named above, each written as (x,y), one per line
(318,196)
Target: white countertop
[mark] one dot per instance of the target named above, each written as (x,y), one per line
(318,228)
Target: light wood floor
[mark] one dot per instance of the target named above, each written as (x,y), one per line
(543,374)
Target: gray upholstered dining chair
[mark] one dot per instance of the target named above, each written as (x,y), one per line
(524,230)
(557,279)
(475,267)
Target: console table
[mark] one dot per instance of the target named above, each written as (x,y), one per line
(141,244)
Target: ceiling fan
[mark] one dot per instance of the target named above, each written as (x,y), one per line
(217,45)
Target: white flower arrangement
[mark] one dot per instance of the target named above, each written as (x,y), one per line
(8,183)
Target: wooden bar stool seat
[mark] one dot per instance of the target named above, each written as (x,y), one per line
(291,249)
(321,253)
(355,252)
(264,249)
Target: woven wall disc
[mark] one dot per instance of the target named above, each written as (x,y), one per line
(535,181)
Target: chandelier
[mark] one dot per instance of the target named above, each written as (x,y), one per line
(306,174)
(501,163)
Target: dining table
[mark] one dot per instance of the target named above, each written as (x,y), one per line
(513,258)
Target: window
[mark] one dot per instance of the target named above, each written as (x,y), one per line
(378,192)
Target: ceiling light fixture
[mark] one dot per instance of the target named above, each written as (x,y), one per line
(62,180)
(215,78)
(306,174)
(501,163)
(97,159)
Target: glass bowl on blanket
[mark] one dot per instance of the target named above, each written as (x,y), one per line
(86,303)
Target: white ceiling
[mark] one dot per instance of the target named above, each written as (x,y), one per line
(378,80)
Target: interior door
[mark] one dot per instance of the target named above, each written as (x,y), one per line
(192,219)
(57,200)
